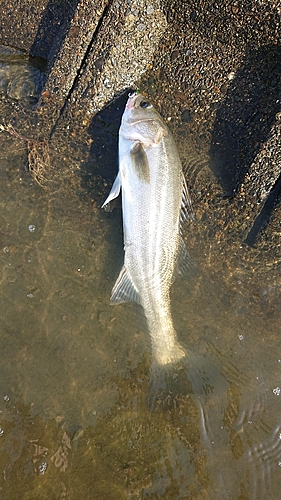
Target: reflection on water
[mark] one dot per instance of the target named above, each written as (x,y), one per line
(75,372)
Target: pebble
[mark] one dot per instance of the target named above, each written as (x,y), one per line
(42,468)
(174,55)
(150,9)
(77,435)
(193,15)
(99,63)
(186,116)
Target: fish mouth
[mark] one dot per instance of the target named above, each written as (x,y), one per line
(132,94)
(131,100)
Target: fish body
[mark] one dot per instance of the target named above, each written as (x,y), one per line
(155,201)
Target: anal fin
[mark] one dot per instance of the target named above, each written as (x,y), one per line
(124,290)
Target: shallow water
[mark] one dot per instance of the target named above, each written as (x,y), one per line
(75,372)
(21,76)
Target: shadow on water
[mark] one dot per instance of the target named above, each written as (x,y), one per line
(246,116)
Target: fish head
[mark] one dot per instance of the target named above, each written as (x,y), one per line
(141,122)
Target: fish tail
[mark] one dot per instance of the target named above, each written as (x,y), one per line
(191,374)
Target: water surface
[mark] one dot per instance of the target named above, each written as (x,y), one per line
(75,372)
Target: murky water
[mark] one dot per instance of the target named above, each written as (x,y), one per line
(75,372)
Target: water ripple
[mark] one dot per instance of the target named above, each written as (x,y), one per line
(264,459)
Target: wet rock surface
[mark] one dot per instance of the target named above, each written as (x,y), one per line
(121,50)
(19,23)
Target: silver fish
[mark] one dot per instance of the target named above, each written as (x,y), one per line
(155,202)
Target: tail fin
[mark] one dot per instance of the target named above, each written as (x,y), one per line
(191,374)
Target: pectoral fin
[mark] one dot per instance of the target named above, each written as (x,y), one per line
(124,290)
(115,190)
(140,162)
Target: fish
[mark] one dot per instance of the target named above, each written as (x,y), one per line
(155,204)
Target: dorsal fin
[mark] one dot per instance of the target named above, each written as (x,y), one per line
(186,204)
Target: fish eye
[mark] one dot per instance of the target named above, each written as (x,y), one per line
(145,104)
